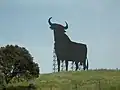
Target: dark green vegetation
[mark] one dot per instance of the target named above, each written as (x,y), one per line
(81,80)
(16,63)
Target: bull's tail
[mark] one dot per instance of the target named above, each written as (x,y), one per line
(87,64)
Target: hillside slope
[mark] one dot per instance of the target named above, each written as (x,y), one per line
(82,80)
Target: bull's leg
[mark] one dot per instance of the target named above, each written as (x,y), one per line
(58,62)
(76,63)
(66,63)
(84,67)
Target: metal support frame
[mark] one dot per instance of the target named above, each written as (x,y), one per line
(73,67)
(54,62)
(62,65)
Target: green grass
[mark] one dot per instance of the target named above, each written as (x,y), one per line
(83,80)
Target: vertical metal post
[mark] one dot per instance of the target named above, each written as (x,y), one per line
(73,66)
(62,65)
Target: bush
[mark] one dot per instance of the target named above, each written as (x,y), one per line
(29,87)
(2,81)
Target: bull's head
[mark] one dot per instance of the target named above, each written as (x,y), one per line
(57,27)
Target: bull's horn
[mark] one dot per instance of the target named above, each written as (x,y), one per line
(49,21)
(66,27)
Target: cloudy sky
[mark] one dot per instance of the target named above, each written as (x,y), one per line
(93,22)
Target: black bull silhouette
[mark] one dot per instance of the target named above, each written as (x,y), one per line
(66,49)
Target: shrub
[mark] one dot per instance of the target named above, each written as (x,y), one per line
(2,81)
(29,87)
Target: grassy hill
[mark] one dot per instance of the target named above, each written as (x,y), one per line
(80,80)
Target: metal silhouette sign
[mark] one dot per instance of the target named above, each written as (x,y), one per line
(67,50)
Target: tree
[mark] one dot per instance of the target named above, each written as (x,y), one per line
(16,61)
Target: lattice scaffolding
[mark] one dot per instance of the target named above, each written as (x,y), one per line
(55,66)
(54,62)
(73,66)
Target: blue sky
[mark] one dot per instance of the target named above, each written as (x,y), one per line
(93,22)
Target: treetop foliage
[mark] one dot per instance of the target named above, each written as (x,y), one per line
(16,61)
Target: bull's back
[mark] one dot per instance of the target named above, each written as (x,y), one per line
(71,51)
(79,51)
